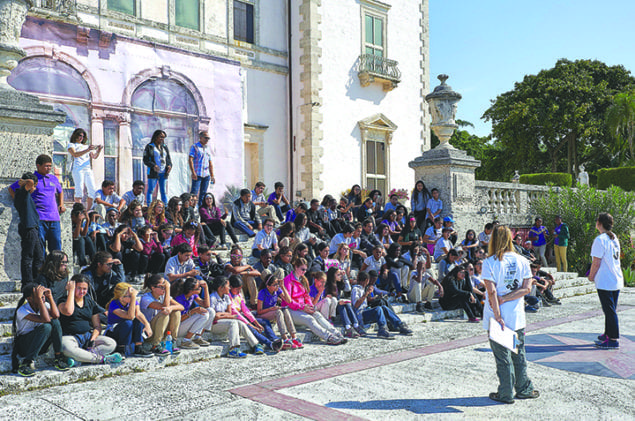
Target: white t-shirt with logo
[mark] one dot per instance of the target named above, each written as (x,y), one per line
(24,325)
(609,276)
(80,162)
(508,274)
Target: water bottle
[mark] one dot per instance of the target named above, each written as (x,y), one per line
(168,342)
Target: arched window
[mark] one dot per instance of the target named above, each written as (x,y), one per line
(167,105)
(62,86)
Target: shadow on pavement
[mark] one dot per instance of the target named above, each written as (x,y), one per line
(417,406)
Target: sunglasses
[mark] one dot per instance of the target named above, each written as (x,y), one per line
(236,255)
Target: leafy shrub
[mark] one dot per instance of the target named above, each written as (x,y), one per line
(623,177)
(629,277)
(579,209)
(555,178)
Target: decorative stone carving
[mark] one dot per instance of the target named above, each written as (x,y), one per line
(12,15)
(442,102)
(583,177)
(516,177)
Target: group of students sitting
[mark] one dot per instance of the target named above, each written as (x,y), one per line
(317,265)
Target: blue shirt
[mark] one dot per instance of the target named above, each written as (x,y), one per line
(268,299)
(201,158)
(539,236)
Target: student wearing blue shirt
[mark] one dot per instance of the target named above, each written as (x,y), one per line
(538,235)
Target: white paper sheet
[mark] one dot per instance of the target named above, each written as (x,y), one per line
(506,337)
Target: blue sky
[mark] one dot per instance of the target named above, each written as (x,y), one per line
(486,46)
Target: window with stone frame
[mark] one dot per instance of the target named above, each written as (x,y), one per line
(374,39)
(111,147)
(187,13)
(243,21)
(128,7)
(376,174)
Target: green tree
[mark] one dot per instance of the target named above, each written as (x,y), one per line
(555,120)
(620,119)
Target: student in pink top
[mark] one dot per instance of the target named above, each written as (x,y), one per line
(301,306)
(189,235)
(152,258)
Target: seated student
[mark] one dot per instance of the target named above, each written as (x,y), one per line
(433,207)
(262,207)
(303,234)
(390,220)
(478,287)
(162,311)
(173,213)
(447,264)
(103,274)
(216,220)
(375,261)
(227,322)
(366,210)
(204,231)
(293,213)
(368,240)
(83,246)
(319,263)
(398,271)
(36,326)
(136,193)
(458,294)
(383,235)
(343,257)
(54,273)
(392,204)
(327,305)
(344,208)
(265,239)
(278,200)
(525,252)
(244,215)
(283,261)
(315,217)
(152,258)
(188,202)
(422,284)
(432,234)
(443,245)
(79,317)
(264,264)
(343,307)
(411,233)
(126,247)
(181,265)
(485,235)
(197,315)
(126,322)
(286,236)
(107,198)
(208,263)
(272,291)
(364,292)
(97,233)
(334,221)
(345,237)
(301,251)
(156,214)
(301,307)
(357,254)
(236,266)
(544,283)
(112,223)
(470,244)
(165,237)
(354,197)
(448,222)
(261,328)
(32,252)
(189,235)
(376,197)
(402,212)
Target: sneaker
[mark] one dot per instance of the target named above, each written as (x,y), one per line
(189,345)
(545,303)
(72,363)
(259,349)
(351,333)
(113,358)
(382,333)
(361,332)
(236,353)
(334,340)
(531,309)
(608,344)
(175,350)
(427,305)
(533,395)
(556,302)
(26,369)
(602,337)
(473,320)
(495,397)
(297,343)
(159,350)
(61,364)
(405,330)
(276,346)
(200,342)
(419,308)
(288,344)
(141,352)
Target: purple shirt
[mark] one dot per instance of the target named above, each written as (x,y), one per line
(187,304)
(313,292)
(267,299)
(273,197)
(44,196)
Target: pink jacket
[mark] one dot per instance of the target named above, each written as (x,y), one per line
(299,296)
(151,246)
(180,239)
(240,309)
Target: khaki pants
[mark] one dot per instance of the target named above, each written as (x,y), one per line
(315,322)
(328,307)
(197,323)
(283,319)
(270,212)
(234,330)
(250,288)
(104,345)
(161,323)
(421,291)
(561,258)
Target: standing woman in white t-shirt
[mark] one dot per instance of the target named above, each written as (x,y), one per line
(607,275)
(82,153)
(507,279)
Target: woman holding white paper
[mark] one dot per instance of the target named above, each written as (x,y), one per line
(507,278)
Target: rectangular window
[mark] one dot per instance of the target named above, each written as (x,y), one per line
(374,35)
(376,165)
(187,13)
(243,21)
(123,6)
(111,145)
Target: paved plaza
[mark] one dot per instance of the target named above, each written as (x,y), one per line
(444,371)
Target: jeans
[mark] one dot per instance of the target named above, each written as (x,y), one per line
(32,255)
(83,246)
(348,316)
(51,233)
(393,282)
(381,315)
(511,369)
(244,228)
(37,341)
(267,336)
(608,299)
(127,332)
(200,184)
(152,183)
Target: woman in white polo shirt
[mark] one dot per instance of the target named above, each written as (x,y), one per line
(607,275)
